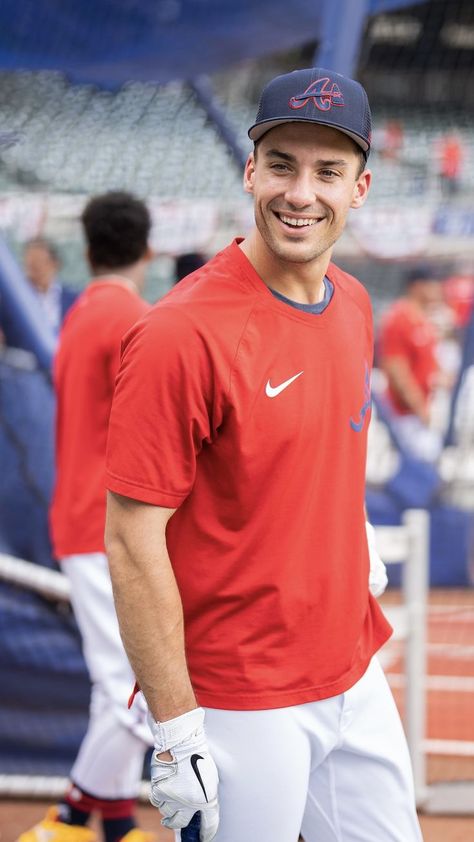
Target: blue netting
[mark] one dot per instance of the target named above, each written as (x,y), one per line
(44,688)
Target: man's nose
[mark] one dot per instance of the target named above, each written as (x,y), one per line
(301,191)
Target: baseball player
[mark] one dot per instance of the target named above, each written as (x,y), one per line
(235,524)
(408,351)
(107,772)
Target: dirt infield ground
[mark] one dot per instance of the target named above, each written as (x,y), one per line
(16,816)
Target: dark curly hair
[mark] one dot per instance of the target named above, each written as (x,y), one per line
(116,226)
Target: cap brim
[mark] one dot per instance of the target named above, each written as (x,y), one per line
(259,129)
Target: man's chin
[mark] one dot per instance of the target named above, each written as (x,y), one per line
(299,253)
(290,249)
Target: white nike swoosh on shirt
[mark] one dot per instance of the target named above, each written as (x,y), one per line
(273,391)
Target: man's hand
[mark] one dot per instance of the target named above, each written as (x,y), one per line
(188,782)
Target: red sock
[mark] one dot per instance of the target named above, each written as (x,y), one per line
(116,813)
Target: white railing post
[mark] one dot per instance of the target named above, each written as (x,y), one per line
(415,587)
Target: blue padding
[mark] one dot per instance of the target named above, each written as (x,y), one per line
(382,509)
(452,547)
(451,540)
(415,485)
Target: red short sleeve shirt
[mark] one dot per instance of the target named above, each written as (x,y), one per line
(85,368)
(408,334)
(250,417)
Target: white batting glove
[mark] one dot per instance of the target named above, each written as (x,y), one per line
(378,574)
(188,783)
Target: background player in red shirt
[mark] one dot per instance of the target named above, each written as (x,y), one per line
(235,525)
(107,772)
(450,162)
(408,343)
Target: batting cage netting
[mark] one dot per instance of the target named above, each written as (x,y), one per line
(181,144)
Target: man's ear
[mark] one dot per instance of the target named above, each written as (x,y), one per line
(361,189)
(249,173)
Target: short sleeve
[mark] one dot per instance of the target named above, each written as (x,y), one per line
(130,311)
(369,320)
(162,408)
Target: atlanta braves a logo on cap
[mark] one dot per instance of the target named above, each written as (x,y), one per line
(323,92)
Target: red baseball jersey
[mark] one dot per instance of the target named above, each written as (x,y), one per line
(250,417)
(85,368)
(407,333)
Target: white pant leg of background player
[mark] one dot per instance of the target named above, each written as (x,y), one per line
(110,760)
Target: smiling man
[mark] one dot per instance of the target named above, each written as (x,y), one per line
(236,532)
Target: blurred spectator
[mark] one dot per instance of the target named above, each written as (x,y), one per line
(450,160)
(459,296)
(187,263)
(41,265)
(408,345)
(391,140)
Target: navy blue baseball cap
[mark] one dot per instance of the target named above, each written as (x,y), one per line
(315,95)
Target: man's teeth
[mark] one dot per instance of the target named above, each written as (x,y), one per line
(297,223)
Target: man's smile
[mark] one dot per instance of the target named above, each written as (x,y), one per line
(297,221)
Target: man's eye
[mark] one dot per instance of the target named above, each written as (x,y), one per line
(328,173)
(279,167)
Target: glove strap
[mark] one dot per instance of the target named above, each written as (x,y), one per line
(173,731)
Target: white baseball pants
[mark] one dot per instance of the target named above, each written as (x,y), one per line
(110,760)
(337,770)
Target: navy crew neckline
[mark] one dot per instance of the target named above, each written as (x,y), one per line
(314,309)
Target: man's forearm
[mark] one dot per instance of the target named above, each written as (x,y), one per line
(148,605)
(406,387)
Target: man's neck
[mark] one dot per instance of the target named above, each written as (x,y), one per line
(416,305)
(127,277)
(300,282)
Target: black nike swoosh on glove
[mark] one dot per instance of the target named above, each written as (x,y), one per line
(194,764)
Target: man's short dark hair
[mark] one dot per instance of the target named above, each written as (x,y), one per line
(422,272)
(116,226)
(188,262)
